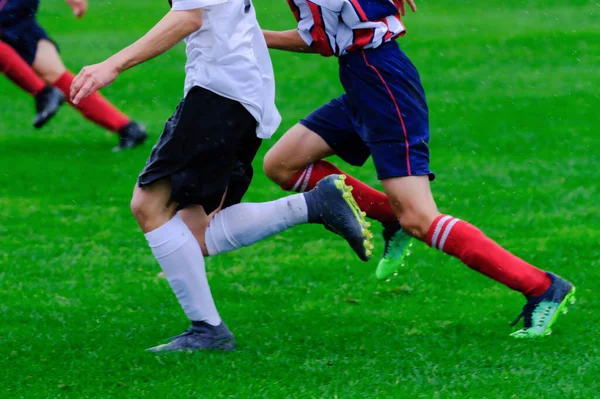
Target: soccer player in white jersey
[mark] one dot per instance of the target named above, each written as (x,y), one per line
(383,114)
(187,198)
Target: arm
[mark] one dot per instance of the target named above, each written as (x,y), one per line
(402,6)
(289,40)
(174,27)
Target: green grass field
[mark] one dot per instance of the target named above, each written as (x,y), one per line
(513,91)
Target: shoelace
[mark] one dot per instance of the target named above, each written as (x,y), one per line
(527,314)
(389,238)
(187,332)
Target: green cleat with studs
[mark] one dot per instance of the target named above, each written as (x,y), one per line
(540,313)
(397,247)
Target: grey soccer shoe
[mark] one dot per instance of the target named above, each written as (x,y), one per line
(200,336)
(331,204)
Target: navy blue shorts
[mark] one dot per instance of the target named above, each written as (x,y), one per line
(19,28)
(383,114)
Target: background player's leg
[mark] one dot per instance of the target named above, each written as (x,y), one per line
(417,212)
(176,250)
(17,70)
(295,163)
(47,98)
(95,108)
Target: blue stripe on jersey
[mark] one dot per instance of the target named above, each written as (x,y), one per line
(377,9)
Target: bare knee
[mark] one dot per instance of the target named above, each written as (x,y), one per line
(151,209)
(276,170)
(412,202)
(416,223)
(298,148)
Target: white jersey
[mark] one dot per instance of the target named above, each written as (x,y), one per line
(228,55)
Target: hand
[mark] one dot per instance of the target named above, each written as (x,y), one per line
(91,79)
(79,7)
(402,6)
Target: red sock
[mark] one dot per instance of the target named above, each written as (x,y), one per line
(374,203)
(467,243)
(94,108)
(17,70)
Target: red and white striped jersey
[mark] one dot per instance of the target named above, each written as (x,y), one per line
(334,27)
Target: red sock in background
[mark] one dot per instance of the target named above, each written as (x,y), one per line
(466,242)
(17,70)
(374,203)
(94,108)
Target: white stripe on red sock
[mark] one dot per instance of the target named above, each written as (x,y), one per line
(438,230)
(447,230)
(307,179)
(299,181)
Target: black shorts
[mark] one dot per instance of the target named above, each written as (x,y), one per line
(206,149)
(19,28)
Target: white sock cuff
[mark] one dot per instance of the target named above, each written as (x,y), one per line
(169,237)
(216,232)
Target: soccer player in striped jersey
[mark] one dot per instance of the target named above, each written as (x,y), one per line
(383,114)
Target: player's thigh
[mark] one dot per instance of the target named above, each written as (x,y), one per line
(298,148)
(412,201)
(47,62)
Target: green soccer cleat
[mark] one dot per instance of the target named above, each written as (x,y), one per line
(397,248)
(541,312)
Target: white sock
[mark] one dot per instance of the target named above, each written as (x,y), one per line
(244,224)
(180,258)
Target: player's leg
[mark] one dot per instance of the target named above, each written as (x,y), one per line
(329,204)
(178,175)
(180,257)
(398,143)
(48,64)
(546,293)
(295,162)
(17,70)
(196,155)
(239,225)
(47,98)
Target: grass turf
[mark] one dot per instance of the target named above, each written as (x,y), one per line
(513,93)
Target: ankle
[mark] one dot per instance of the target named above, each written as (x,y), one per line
(314,216)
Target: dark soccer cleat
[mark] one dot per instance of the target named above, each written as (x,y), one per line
(331,204)
(47,103)
(541,312)
(132,135)
(200,336)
